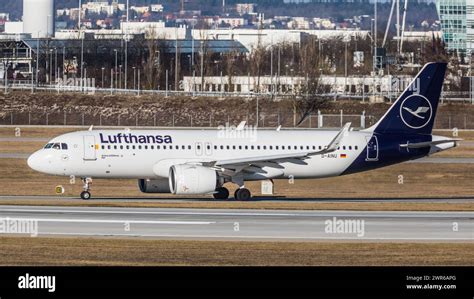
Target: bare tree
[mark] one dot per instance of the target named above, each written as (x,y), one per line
(312,94)
(153,64)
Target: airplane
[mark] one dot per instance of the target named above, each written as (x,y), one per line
(201,161)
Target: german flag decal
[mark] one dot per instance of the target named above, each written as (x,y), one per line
(343,156)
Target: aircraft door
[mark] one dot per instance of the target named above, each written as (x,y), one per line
(89,148)
(372,149)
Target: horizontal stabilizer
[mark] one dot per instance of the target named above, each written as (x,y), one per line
(428,143)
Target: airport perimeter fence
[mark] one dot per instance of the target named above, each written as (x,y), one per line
(23,85)
(164,119)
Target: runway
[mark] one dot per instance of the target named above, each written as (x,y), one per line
(255,225)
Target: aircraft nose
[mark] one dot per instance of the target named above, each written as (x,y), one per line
(34,161)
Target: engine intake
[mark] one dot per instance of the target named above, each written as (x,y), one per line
(192,179)
(154,186)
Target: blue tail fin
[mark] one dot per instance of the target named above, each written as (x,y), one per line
(415,110)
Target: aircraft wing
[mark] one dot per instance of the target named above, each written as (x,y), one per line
(247,161)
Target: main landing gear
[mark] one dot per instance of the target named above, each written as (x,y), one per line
(240,194)
(85,195)
(221,193)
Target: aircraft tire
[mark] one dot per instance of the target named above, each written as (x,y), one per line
(221,193)
(243,194)
(85,195)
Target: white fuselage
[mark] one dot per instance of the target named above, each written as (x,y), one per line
(101,154)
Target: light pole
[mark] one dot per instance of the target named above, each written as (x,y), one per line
(345,59)
(126,61)
(50,65)
(115,69)
(139,81)
(175,64)
(120,76)
(158,68)
(202,66)
(82,53)
(37,58)
(103,69)
(56,72)
(134,78)
(345,65)
(64,58)
(6,80)
(279,67)
(189,57)
(192,48)
(74,58)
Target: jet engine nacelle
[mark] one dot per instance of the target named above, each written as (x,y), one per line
(154,186)
(192,179)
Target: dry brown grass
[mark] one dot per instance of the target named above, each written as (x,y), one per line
(466,135)
(461,151)
(127,252)
(420,181)
(40,132)
(25,147)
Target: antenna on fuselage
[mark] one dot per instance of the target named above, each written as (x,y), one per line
(91,127)
(279,128)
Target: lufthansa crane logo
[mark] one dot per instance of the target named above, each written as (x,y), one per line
(416,111)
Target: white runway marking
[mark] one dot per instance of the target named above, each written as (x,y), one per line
(150,212)
(112,221)
(302,213)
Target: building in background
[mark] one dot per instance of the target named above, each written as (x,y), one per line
(453,17)
(38,18)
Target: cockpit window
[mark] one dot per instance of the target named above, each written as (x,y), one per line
(57,146)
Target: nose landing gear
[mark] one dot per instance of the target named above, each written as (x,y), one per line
(85,195)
